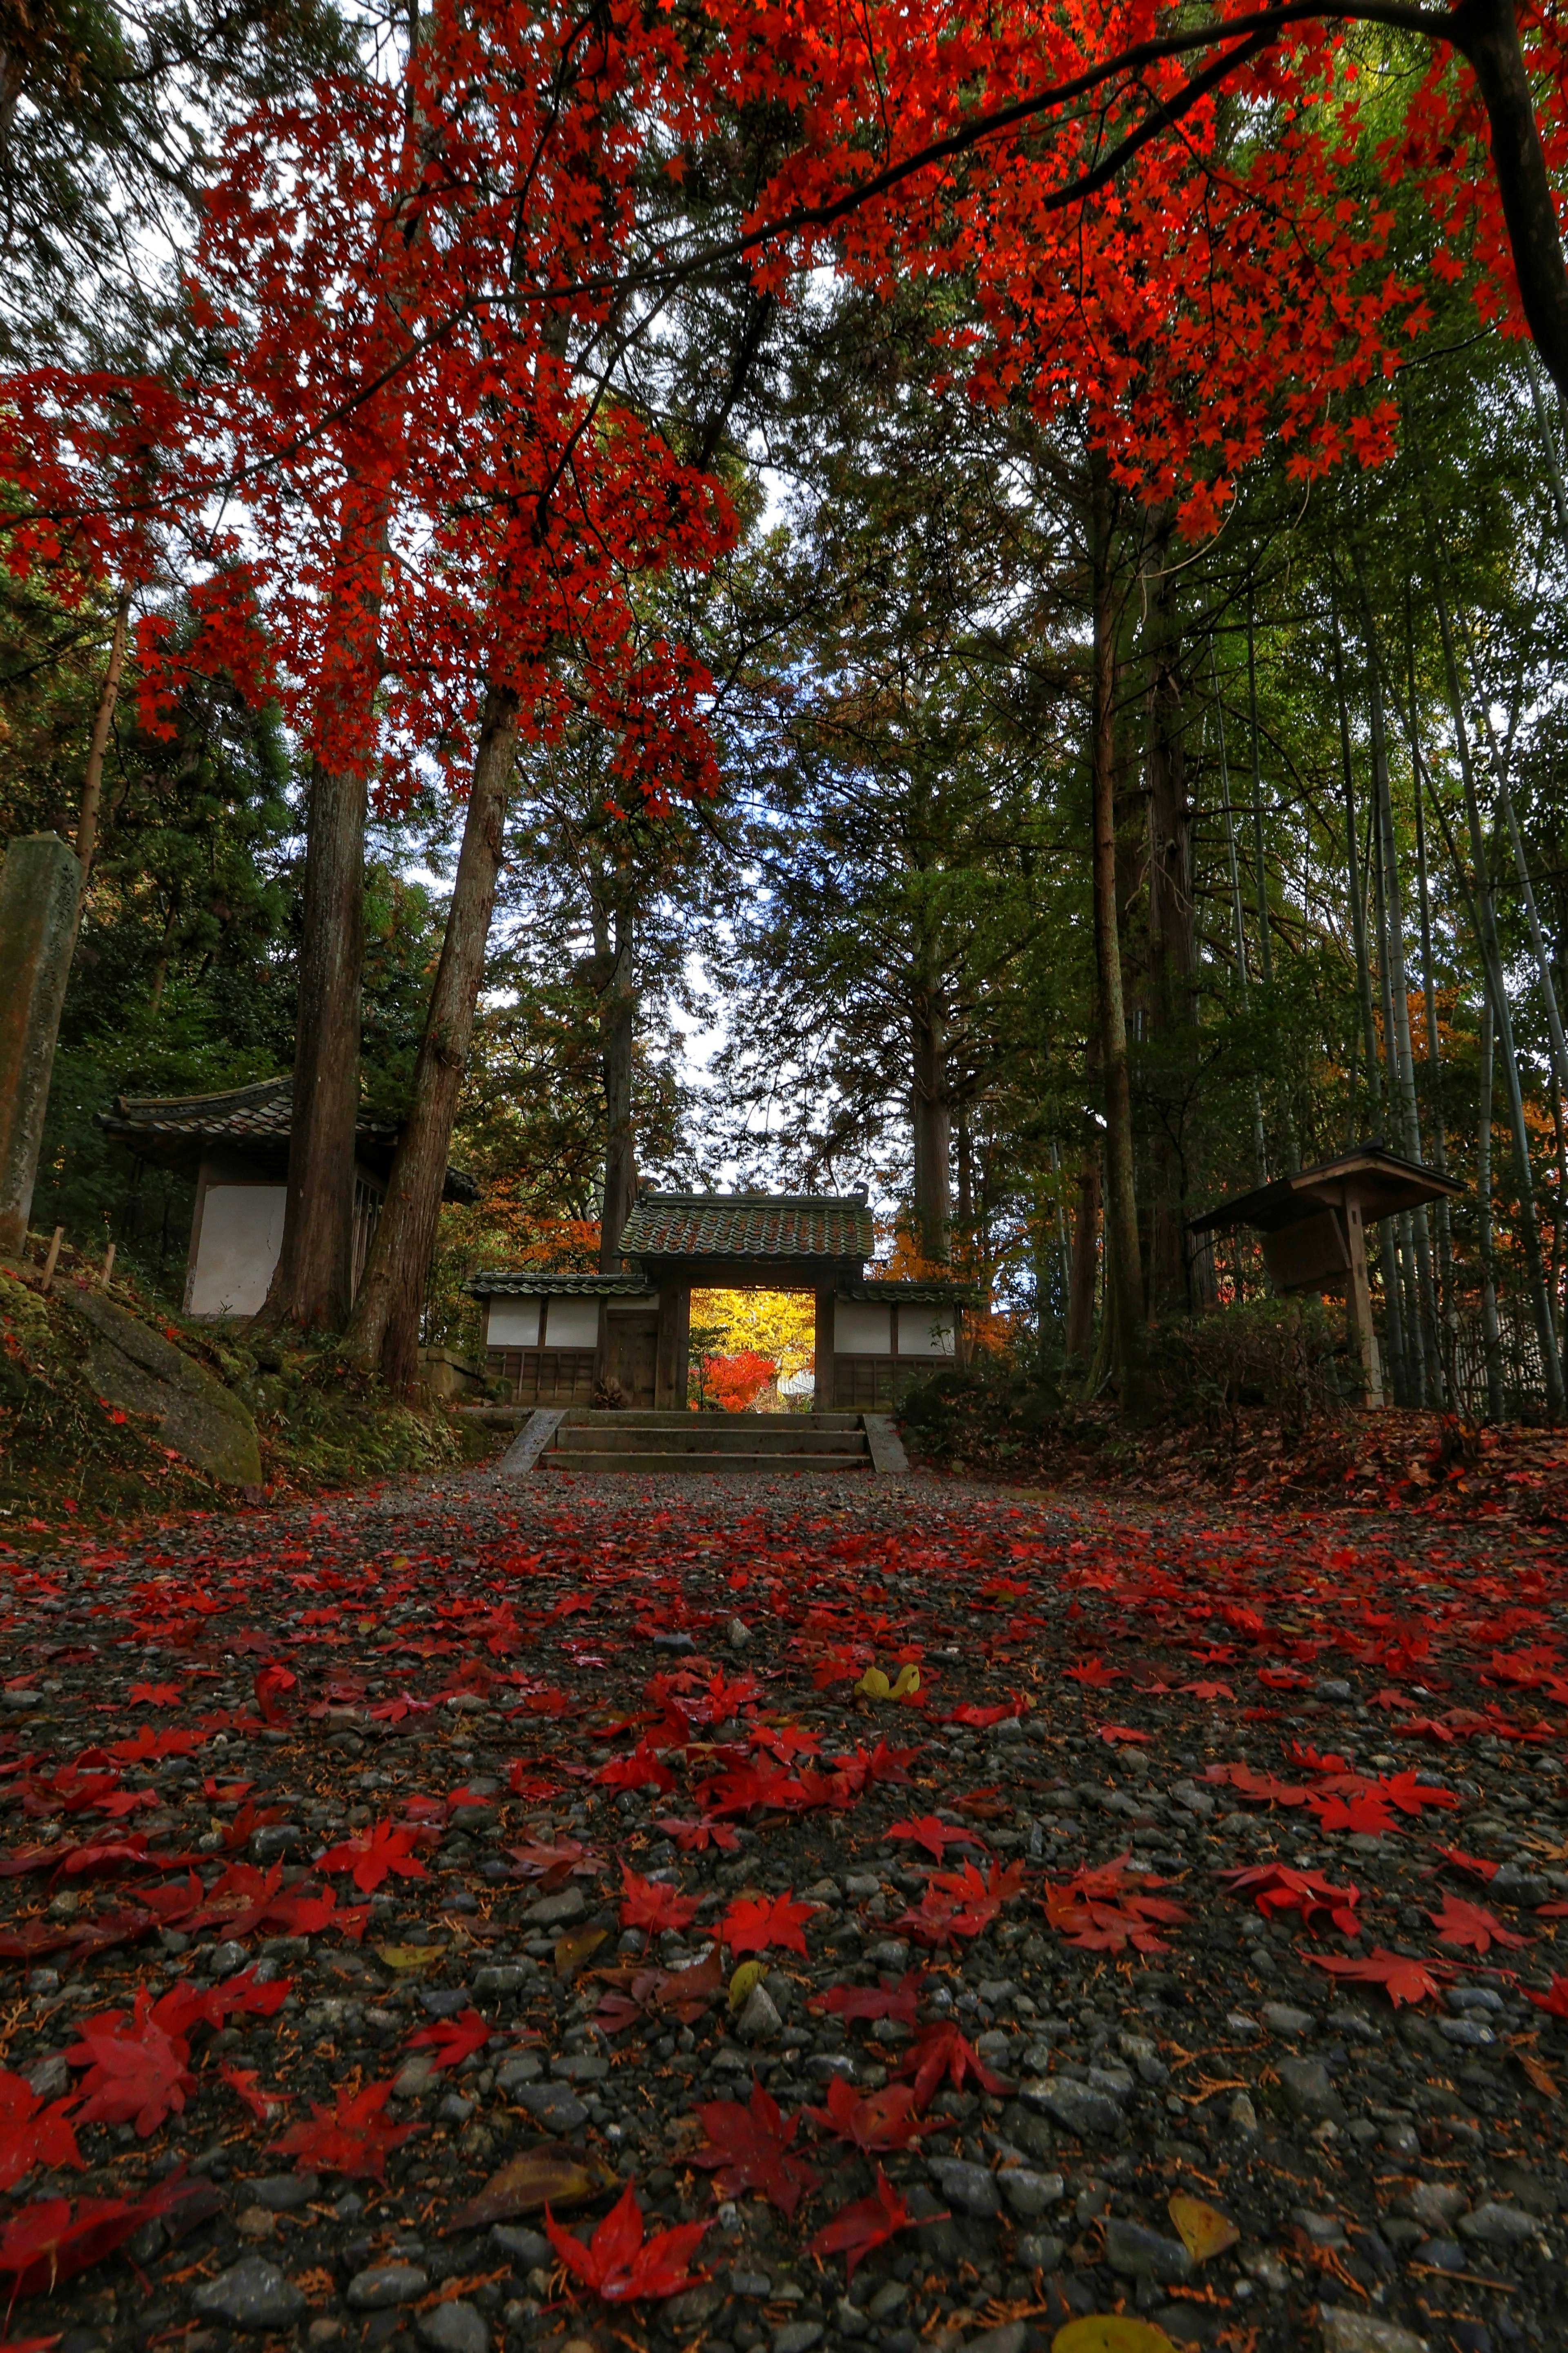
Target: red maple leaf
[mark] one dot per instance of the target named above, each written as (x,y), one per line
(754,1923)
(869,2222)
(1555,2000)
(641,1770)
(934,1835)
(1368,1814)
(353,2139)
(1472,1925)
(1476,1864)
(136,2076)
(692,1838)
(943,2050)
(1122,1734)
(874,2122)
(887,2000)
(618,2264)
(383,1849)
(1209,1691)
(155,1695)
(652,1904)
(1281,1887)
(245,2083)
(1095,1672)
(32,2134)
(452,2039)
(1105,1909)
(45,2243)
(749,2149)
(1402,1979)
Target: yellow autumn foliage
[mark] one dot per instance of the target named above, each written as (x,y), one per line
(780,1324)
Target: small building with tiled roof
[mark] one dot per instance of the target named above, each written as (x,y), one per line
(234,1147)
(563,1339)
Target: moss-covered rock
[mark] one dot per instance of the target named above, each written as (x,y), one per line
(134,1366)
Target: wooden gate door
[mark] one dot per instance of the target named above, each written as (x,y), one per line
(631,1351)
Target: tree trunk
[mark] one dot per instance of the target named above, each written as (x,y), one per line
(1434,1060)
(1259,1138)
(103,721)
(1487,33)
(1424,1369)
(1491,958)
(932,1117)
(618,1033)
(1124,1291)
(1085,1265)
(1357,900)
(1172,999)
(384,1330)
(312,1284)
(1491,1338)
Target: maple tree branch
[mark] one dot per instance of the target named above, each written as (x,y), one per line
(1165,118)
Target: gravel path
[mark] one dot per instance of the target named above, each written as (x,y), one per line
(332,1828)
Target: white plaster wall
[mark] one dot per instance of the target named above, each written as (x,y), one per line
(572,1324)
(242,1233)
(925,1331)
(860,1329)
(513,1324)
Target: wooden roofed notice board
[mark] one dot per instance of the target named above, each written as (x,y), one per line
(1312,1229)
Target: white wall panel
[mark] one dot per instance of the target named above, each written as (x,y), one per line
(925,1331)
(513,1324)
(860,1329)
(242,1232)
(572,1324)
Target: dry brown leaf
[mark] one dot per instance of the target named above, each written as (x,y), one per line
(525,2183)
(1540,2075)
(576,1947)
(1203,2230)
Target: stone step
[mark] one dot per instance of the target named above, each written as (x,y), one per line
(682,1464)
(610,1439)
(649,1417)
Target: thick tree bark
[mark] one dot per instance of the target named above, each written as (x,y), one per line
(1487,34)
(1124,1289)
(1085,1265)
(1173,1006)
(1490,1335)
(312,1282)
(103,721)
(931,1109)
(1484,923)
(618,1032)
(384,1330)
(1259,1138)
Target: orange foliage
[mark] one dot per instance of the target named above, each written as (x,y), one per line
(733,1383)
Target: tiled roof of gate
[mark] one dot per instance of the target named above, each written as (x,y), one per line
(749,1226)
(524,1282)
(914,1294)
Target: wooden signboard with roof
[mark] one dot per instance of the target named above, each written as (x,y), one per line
(1312,1227)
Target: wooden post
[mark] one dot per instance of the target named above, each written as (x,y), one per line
(674,1342)
(1358,1304)
(53,1259)
(821,1399)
